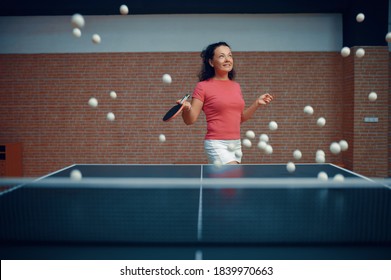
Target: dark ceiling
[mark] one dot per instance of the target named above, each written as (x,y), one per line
(111,7)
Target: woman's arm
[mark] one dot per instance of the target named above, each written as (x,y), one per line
(262,100)
(191,111)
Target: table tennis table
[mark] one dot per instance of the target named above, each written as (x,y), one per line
(189,211)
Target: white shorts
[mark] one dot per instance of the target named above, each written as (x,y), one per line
(223,151)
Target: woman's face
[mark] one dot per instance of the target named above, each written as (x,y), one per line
(222,60)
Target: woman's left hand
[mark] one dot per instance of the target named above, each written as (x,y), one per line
(265,99)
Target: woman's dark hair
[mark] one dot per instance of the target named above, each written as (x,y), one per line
(207,71)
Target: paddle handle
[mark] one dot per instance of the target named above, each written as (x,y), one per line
(184,98)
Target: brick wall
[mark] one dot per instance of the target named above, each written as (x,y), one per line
(44,105)
(370,149)
(348,109)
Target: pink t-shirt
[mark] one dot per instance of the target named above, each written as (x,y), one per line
(223,107)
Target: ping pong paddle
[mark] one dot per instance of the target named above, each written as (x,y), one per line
(175,110)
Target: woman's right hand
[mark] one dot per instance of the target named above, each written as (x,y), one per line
(186,105)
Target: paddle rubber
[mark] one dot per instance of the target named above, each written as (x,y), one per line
(175,110)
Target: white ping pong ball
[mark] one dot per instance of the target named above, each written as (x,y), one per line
(217,163)
(335,148)
(162,138)
(320,156)
(388,37)
(273,125)
(345,52)
(297,154)
(268,149)
(93,102)
(239,153)
(110,116)
(339,178)
(123,9)
(76,175)
(291,167)
(320,153)
(96,39)
(250,134)
(320,159)
(246,142)
(360,52)
(372,96)
(323,176)
(321,122)
(308,110)
(262,145)
(167,79)
(360,17)
(231,147)
(76,32)
(113,94)
(77,20)
(264,137)
(344,145)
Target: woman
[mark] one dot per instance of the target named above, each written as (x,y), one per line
(220,97)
